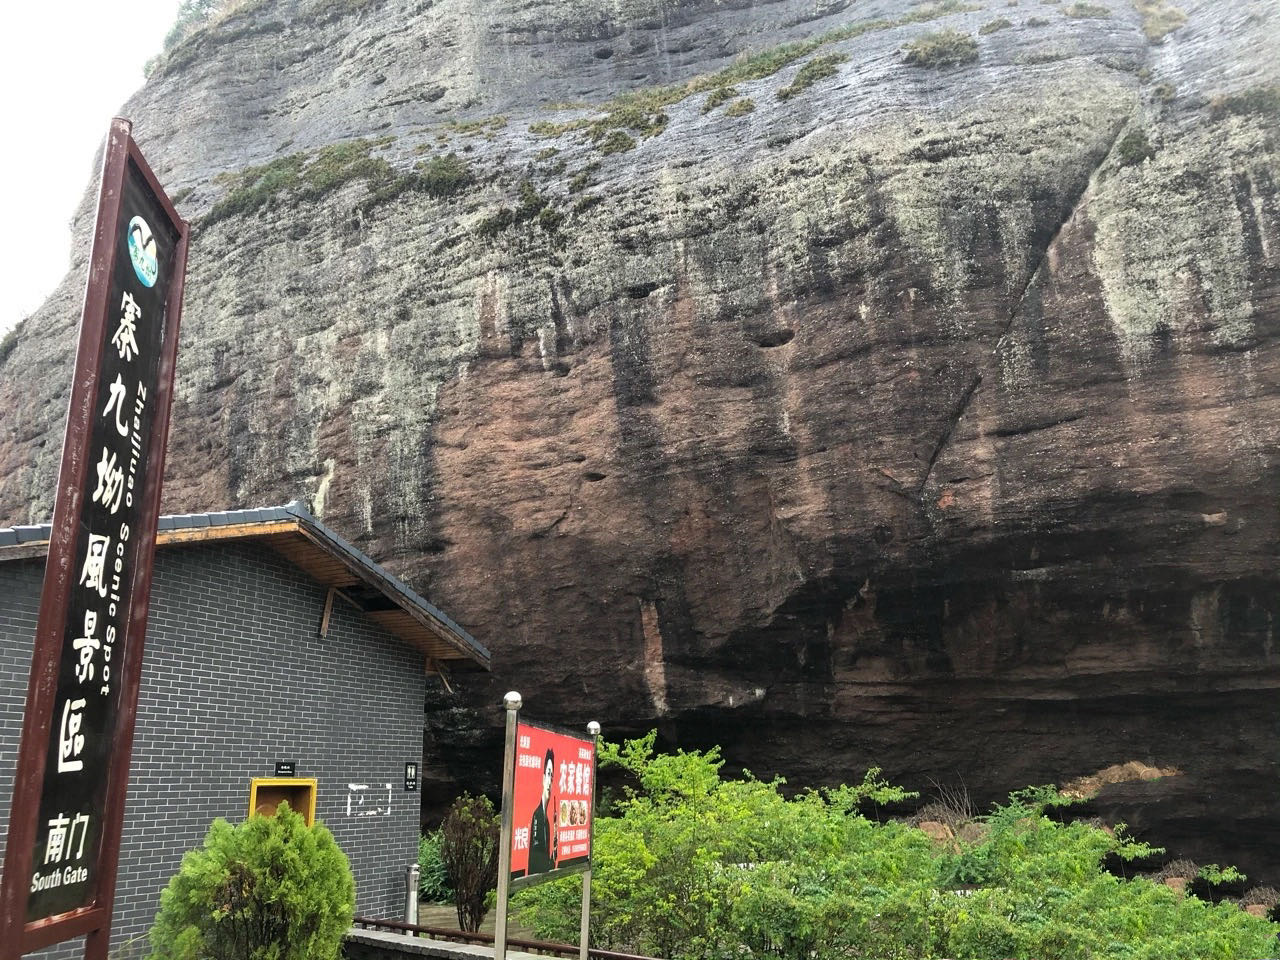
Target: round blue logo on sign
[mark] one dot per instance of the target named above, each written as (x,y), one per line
(142,251)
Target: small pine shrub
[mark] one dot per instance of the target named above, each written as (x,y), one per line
(942,48)
(270,888)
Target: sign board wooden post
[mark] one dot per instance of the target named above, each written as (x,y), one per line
(77,735)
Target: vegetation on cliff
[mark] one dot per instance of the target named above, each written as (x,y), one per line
(692,865)
(312,177)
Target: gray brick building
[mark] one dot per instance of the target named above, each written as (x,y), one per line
(270,639)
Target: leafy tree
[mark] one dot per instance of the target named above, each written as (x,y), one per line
(270,888)
(697,867)
(469,847)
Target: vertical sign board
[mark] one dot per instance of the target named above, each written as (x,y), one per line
(552,807)
(77,737)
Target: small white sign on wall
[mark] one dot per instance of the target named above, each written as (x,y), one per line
(368,800)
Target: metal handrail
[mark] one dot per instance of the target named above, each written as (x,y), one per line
(462,936)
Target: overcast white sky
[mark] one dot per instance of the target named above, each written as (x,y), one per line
(66,67)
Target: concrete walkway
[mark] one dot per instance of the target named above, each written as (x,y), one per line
(382,945)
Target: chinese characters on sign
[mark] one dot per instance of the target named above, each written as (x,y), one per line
(73,764)
(68,830)
(552,805)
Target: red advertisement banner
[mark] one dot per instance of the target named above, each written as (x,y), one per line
(552,802)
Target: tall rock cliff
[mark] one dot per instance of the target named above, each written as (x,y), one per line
(841,381)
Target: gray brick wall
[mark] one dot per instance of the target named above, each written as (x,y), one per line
(235,678)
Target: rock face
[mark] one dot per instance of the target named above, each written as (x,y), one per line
(870,412)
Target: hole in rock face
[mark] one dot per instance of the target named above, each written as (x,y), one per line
(592,477)
(774,338)
(638,291)
(603,53)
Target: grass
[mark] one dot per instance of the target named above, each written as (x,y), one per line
(334,166)
(484,126)
(444,176)
(942,48)
(1159,18)
(8,342)
(816,69)
(1042,56)
(1084,10)
(256,187)
(618,141)
(932,11)
(1001,23)
(740,108)
(582,179)
(718,96)
(1261,101)
(533,208)
(340,163)
(642,113)
(1134,148)
(545,128)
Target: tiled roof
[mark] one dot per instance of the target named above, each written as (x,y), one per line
(243,522)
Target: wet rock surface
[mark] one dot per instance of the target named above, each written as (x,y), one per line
(926,418)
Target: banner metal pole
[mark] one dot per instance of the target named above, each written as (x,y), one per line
(584,947)
(512,702)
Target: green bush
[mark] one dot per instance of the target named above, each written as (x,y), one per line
(942,48)
(698,867)
(444,176)
(718,96)
(270,888)
(991,26)
(1133,148)
(433,876)
(816,69)
(469,839)
(191,16)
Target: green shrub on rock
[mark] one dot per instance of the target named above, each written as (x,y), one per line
(270,888)
(942,48)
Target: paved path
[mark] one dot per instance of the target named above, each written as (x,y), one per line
(381,945)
